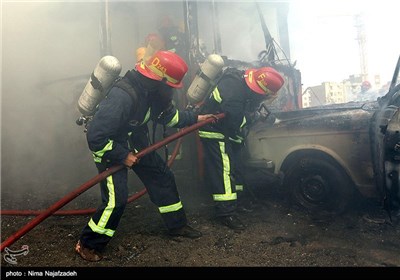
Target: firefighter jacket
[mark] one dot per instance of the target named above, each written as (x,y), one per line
(232,97)
(127,107)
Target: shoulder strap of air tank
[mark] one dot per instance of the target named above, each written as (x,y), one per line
(128,88)
(233,72)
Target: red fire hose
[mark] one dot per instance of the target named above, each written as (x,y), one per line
(90,210)
(101,176)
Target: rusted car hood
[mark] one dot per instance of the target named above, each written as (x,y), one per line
(354,115)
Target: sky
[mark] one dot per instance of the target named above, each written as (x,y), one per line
(323,38)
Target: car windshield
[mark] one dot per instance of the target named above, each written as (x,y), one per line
(396,75)
(394,91)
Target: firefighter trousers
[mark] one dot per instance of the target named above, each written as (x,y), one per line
(161,187)
(219,178)
(238,166)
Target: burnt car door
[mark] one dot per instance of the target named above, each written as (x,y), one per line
(385,139)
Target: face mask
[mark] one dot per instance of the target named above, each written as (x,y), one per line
(162,94)
(149,85)
(164,88)
(255,101)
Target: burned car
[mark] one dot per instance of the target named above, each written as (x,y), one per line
(324,155)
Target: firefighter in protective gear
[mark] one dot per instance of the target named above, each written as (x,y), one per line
(238,94)
(173,36)
(153,43)
(169,37)
(118,130)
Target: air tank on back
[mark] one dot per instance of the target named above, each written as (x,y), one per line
(209,71)
(104,74)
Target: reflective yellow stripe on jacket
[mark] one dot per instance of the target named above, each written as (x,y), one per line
(211,135)
(239,139)
(174,120)
(217,95)
(147,117)
(99,154)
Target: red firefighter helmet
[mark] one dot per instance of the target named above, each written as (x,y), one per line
(265,80)
(164,65)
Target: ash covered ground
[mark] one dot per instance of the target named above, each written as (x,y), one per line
(277,235)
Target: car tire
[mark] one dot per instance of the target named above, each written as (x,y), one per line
(318,184)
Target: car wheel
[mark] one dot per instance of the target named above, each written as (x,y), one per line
(318,184)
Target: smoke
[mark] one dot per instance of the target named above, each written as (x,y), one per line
(49,51)
(242,37)
(47,59)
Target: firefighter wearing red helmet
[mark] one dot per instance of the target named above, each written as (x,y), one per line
(265,81)
(238,94)
(118,130)
(164,65)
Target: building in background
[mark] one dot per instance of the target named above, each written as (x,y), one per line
(326,93)
(352,89)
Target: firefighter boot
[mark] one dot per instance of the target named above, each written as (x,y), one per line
(232,222)
(245,206)
(246,201)
(87,254)
(185,231)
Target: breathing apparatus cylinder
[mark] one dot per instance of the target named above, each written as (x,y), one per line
(104,74)
(205,78)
